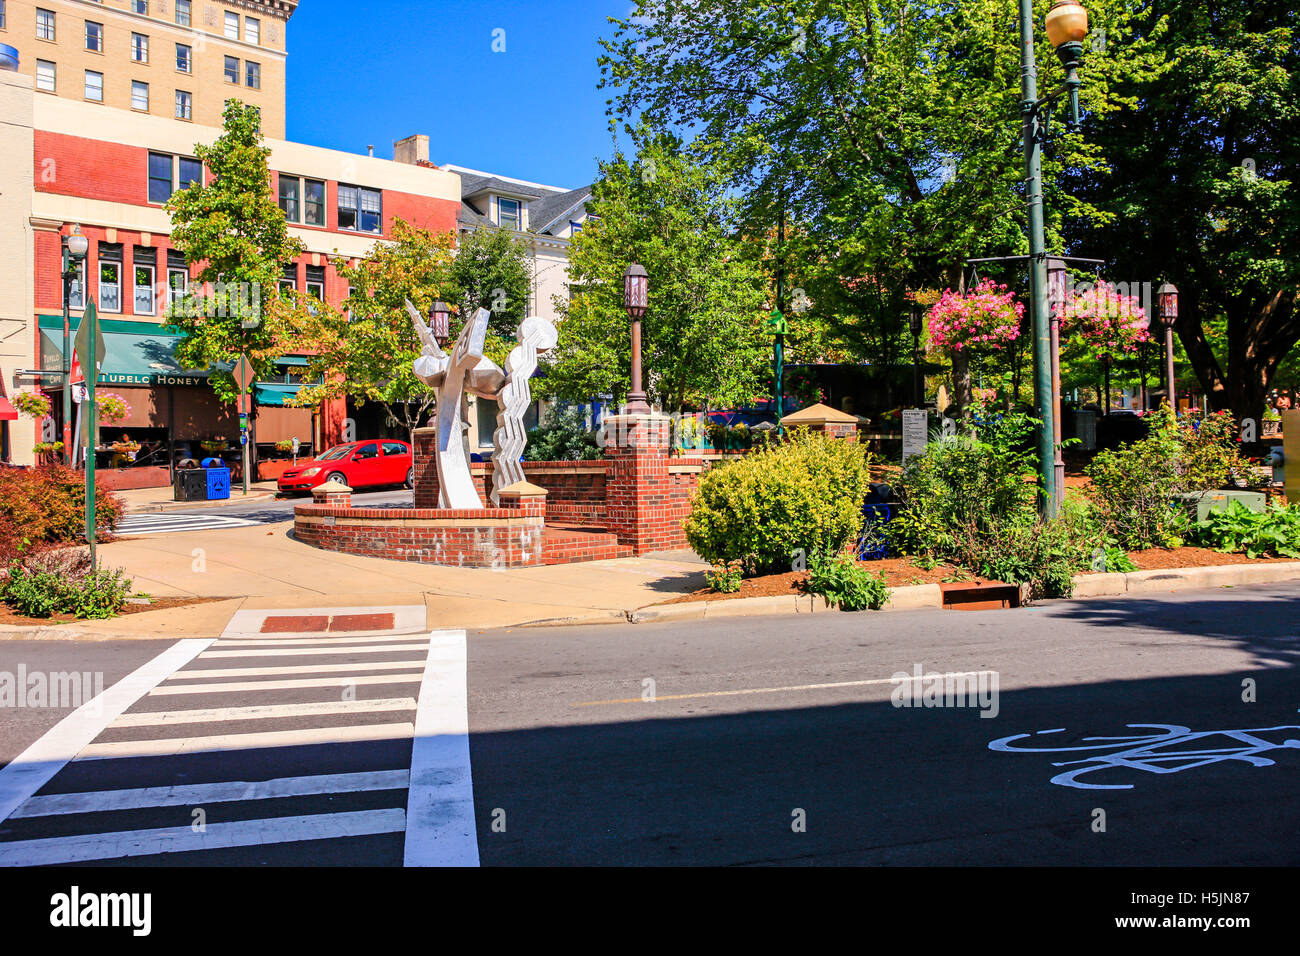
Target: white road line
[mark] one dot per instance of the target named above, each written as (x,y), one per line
(440,827)
(175,746)
(772,690)
(109,846)
(317,641)
(297,669)
(202,794)
(171,690)
(265,712)
(34,767)
(308,651)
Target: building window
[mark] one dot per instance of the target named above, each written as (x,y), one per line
(94,36)
(232,69)
(289,279)
(178,276)
(252,30)
(45,75)
(184,58)
(4,21)
(139,48)
(94,86)
(77,284)
(110,278)
(183,12)
(232,26)
(360,209)
(44,24)
(189,172)
(316,282)
(289,197)
(184,105)
(139,96)
(509,213)
(252,75)
(140,6)
(168,173)
(314,202)
(144,266)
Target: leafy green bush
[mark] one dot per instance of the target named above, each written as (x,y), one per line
(725,577)
(564,437)
(49,504)
(63,581)
(846,583)
(1237,529)
(1133,485)
(803,494)
(1044,556)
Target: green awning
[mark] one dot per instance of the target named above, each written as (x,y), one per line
(272,393)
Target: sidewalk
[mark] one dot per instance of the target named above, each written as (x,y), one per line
(146,500)
(263,567)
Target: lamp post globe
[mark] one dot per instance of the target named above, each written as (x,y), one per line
(636,298)
(1167,317)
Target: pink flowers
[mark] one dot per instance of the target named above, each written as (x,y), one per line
(987,317)
(1111,324)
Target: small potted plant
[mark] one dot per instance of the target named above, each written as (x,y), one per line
(213,446)
(48,450)
(284,446)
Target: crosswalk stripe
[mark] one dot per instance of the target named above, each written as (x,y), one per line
(296,669)
(265,712)
(159,524)
(201,794)
(311,651)
(256,685)
(127,843)
(174,746)
(331,640)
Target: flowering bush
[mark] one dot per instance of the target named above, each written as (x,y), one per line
(32,403)
(1110,324)
(987,317)
(112,407)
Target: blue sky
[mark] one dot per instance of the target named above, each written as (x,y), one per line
(381,70)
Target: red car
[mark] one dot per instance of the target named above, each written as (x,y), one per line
(357,464)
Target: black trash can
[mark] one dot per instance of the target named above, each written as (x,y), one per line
(190,484)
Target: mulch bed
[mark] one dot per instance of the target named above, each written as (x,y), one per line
(9,616)
(1155,559)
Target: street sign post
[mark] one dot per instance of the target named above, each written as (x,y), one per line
(243,372)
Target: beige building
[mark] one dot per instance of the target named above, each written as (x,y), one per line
(178,59)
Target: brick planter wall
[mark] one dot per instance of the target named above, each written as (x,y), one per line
(648,491)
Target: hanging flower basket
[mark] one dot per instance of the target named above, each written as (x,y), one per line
(1111,325)
(112,407)
(32,403)
(985,319)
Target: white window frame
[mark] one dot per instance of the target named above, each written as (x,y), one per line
(225,69)
(189,12)
(249,67)
(189,105)
(115,285)
(175,294)
(137,86)
(189,58)
(232,26)
(46,25)
(52,73)
(519,212)
(252,31)
(140,7)
(99,37)
(139,48)
(77,284)
(147,288)
(87,87)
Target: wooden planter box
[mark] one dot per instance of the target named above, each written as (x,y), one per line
(273,469)
(979,595)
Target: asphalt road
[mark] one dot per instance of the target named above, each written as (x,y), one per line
(769,740)
(273,510)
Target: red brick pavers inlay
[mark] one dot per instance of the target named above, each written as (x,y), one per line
(289,624)
(361,622)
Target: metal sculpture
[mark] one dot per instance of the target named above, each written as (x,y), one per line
(468,371)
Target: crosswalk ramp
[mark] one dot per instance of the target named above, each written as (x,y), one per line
(137,524)
(278,750)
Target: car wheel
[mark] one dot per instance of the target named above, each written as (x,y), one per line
(338,476)
(410,478)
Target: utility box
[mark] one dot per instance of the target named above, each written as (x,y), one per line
(1206,501)
(1291,453)
(1085,429)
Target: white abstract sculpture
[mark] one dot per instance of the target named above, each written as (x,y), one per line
(467,370)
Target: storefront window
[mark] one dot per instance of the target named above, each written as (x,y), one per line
(110,287)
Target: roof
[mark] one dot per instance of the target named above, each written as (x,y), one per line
(819,414)
(548,205)
(477,185)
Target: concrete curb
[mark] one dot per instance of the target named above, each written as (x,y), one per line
(63,632)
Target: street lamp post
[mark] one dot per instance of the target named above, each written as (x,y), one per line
(1057,283)
(440,321)
(1067,25)
(636,295)
(1167,316)
(75,246)
(914,322)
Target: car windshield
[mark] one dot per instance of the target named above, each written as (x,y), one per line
(335,453)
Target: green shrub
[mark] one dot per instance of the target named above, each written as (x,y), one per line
(63,581)
(1133,485)
(49,504)
(803,494)
(564,437)
(1237,529)
(846,583)
(725,577)
(1045,556)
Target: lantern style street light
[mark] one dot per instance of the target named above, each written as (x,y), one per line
(1167,317)
(1058,281)
(636,296)
(440,322)
(75,246)
(1067,25)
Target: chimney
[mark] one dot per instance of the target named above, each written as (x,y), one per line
(414,150)
(370,151)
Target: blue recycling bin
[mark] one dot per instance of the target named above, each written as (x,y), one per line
(873,542)
(218,474)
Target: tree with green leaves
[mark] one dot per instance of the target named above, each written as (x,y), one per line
(703,341)
(1203,187)
(492,271)
(234,230)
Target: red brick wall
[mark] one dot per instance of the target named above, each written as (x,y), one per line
(74,166)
